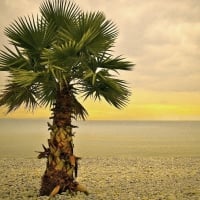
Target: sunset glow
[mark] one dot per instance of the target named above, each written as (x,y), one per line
(142,106)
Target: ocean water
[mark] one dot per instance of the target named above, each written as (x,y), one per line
(22,138)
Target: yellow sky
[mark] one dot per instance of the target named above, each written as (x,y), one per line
(143,105)
(161,37)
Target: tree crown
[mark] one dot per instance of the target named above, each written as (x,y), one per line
(63,46)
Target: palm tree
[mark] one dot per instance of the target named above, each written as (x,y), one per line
(62,54)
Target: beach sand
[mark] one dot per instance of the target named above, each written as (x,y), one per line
(109,178)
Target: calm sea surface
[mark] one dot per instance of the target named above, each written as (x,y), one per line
(105,138)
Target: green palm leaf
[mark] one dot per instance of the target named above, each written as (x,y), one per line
(21,90)
(30,34)
(47,89)
(64,55)
(62,14)
(105,61)
(92,33)
(15,96)
(13,60)
(114,91)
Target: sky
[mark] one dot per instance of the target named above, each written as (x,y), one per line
(161,37)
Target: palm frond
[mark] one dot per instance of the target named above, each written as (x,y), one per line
(47,89)
(106,61)
(24,78)
(114,91)
(28,88)
(60,55)
(13,60)
(31,34)
(92,33)
(15,96)
(21,90)
(60,13)
(117,63)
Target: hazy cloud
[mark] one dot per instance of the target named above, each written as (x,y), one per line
(161,37)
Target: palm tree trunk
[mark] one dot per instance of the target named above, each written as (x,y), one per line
(62,164)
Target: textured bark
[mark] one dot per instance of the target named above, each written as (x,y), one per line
(62,164)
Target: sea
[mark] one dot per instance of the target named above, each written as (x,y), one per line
(24,138)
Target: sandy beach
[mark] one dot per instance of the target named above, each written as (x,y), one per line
(109,178)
